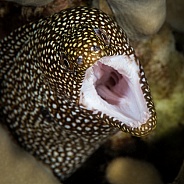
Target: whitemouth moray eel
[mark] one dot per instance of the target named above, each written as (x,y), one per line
(69,81)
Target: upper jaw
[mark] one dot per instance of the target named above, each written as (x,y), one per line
(112,86)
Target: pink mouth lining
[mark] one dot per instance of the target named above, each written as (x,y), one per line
(112,86)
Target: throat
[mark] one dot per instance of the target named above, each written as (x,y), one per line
(111,86)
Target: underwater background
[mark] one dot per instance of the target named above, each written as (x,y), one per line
(156,31)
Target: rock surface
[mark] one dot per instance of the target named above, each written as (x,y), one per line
(132,171)
(19,167)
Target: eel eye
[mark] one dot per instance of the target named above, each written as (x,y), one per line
(95,48)
(79,60)
(102,35)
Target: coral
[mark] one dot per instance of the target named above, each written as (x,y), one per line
(138,18)
(131,171)
(164,67)
(19,167)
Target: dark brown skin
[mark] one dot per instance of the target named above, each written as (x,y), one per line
(42,68)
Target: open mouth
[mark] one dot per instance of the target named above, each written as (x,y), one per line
(112,86)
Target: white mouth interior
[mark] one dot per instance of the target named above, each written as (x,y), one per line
(111,86)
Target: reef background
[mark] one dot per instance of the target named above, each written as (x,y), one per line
(162,55)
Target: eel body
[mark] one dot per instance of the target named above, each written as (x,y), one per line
(68,82)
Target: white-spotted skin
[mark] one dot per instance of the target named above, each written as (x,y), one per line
(42,67)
